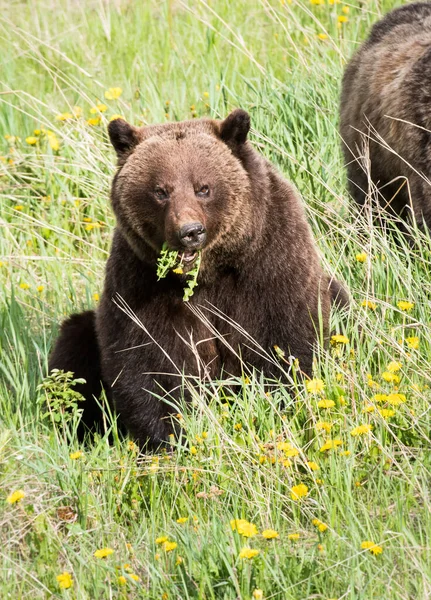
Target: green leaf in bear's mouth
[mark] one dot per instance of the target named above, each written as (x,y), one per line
(173,260)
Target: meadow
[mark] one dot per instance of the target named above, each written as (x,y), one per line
(322,495)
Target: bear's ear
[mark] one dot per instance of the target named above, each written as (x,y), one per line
(124,137)
(234,129)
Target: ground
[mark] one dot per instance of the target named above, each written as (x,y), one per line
(99,521)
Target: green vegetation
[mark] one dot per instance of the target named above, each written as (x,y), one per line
(358,448)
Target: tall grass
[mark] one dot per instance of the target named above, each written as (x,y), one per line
(178,60)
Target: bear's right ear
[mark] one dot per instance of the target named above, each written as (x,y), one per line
(124,137)
(234,129)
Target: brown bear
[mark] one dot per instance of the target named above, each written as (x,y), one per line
(201,188)
(385,114)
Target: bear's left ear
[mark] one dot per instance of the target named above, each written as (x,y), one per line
(234,129)
(124,137)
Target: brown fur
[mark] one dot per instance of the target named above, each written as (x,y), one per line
(259,266)
(386,93)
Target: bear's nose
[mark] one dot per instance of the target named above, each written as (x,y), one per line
(192,235)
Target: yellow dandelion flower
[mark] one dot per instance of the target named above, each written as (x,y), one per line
(320,526)
(31,141)
(322,36)
(96,297)
(249,553)
(396,399)
(115,117)
(122,580)
(386,413)
(346,10)
(369,304)
(182,520)
(326,403)
(238,426)
(76,455)
(103,552)
(270,534)
(331,445)
(342,19)
(40,288)
(380,398)
(298,491)
(312,465)
(390,377)
(64,116)
(15,497)
(316,2)
(315,386)
(405,306)
(99,108)
(394,367)
(293,536)
(368,408)
(24,286)
(372,547)
(162,539)
(113,93)
(169,546)
(345,453)
(243,527)
(361,430)
(53,142)
(64,580)
(361,257)
(324,425)
(339,339)
(134,577)
(412,342)
(193,450)
(257,594)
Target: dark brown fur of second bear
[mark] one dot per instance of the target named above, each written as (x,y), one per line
(260,266)
(386,92)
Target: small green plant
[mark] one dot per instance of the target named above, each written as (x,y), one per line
(59,397)
(168,260)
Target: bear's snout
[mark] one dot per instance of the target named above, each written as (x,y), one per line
(192,235)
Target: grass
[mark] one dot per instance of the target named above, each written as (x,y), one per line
(175,60)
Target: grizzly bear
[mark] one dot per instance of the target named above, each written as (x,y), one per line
(385,115)
(199,187)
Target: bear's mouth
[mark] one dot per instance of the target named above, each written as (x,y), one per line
(188,257)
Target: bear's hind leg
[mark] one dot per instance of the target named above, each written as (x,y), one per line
(77,350)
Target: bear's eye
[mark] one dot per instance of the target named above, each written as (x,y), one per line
(160,193)
(203,191)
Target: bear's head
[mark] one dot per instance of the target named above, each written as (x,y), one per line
(182,183)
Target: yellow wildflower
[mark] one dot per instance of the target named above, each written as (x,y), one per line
(396,399)
(248,553)
(298,491)
(40,288)
(115,117)
(362,257)
(405,306)
(324,425)
(134,577)
(113,93)
(64,580)
(122,580)
(342,19)
(315,386)
(257,594)
(24,286)
(380,398)
(289,450)
(179,560)
(243,527)
(322,36)
(339,339)
(162,539)
(317,2)
(386,413)
(103,552)
(293,536)
(182,520)
(361,430)
(326,403)
(368,408)
(390,377)
(99,108)
(193,450)
(320,526)
(31,141)
(412,342)
(96,297)
(346,10)
(372,547)
(270,534)
(169,546)
(76,455)
(64,116)
(53,141)
(369,304)
(312,465)
(330,445)
(394,367)
(345,453)
(238,426)
(15,497)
